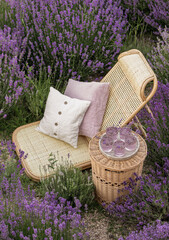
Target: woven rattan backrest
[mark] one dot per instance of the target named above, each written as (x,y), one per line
(128,80)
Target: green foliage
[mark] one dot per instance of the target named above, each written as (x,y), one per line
(18,116)
(146,16)
(30,106)
(147,204)
(6,15)
(24,216)
(158,140)
(36,95)
(157,127)
(144,44)
(69,182)
(12,170)
(137,25)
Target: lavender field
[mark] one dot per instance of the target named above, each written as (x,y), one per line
(43,43)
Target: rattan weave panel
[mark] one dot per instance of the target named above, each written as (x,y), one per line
(123,100)
(39,146)
(136,70)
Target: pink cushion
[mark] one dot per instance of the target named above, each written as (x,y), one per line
(95,92)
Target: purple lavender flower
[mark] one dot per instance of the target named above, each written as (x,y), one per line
(44,218)
(157,230)
(159,59)
(147,15)
(13,82)
(66,41)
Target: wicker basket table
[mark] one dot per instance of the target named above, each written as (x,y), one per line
(108,174)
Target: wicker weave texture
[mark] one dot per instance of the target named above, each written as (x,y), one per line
(109,175)
(39,146)
(123,101)
(128,80)
(136,71)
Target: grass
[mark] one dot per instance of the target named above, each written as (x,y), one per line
(144,44)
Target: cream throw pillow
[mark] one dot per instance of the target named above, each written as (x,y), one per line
(62,117)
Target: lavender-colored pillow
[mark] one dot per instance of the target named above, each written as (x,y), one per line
(95,92)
